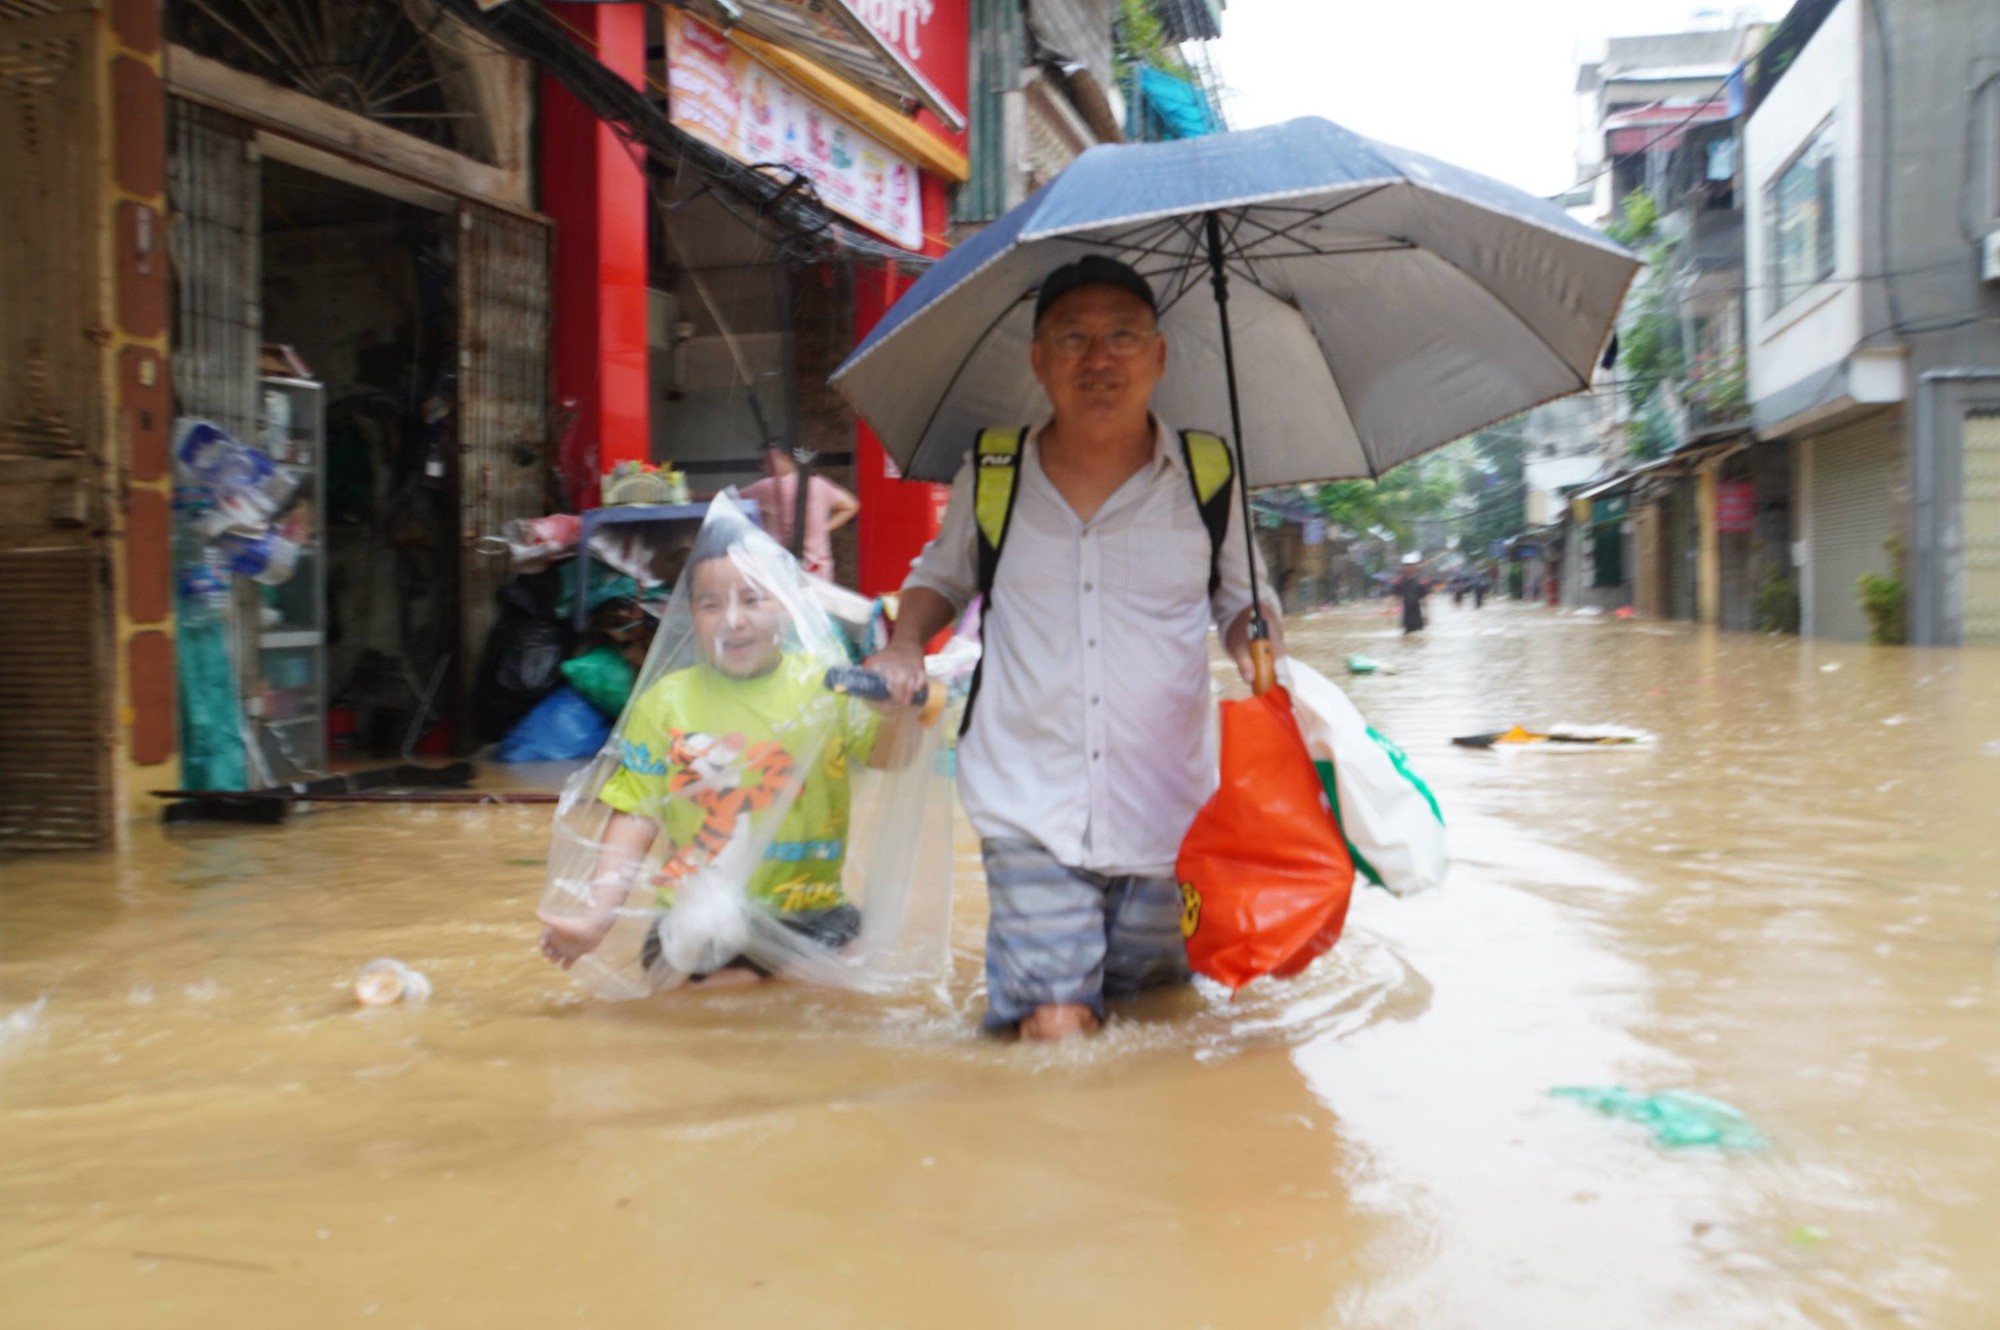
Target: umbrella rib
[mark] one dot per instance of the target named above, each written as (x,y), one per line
(1190,277)
(1161,227)
(931,420)
(1190,267)
(1321,214)
(1155,249)
(1242,255)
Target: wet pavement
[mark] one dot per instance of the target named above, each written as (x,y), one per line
(1791,902)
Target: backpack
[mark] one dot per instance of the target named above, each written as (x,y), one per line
(996,459)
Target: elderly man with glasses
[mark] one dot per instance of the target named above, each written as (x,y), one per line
(1087,748)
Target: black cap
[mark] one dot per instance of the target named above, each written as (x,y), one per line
(1091,270)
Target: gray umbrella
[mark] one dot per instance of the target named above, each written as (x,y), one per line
(1352,305)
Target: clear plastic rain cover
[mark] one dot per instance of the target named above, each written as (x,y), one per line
(751,810)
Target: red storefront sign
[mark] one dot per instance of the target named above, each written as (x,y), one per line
(933,36)
(1736,506)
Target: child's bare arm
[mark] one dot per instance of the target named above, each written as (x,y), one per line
(567,938)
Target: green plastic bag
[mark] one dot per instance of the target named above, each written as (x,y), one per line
(1676,1117)
(603,677)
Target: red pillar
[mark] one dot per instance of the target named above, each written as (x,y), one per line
(898,517)
(594,187)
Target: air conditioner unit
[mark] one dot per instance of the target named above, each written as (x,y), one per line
(1989,257)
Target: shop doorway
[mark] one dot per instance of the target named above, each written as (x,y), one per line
(360,289)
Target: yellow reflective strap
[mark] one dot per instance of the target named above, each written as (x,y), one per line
(1208,455)
(997,458)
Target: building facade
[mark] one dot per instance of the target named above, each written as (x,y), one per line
(415,256)
(1873,171)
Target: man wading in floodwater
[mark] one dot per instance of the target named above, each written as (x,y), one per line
(1086,753)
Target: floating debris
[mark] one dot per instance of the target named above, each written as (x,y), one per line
(1580,736)
(1360,664)
(384,982)
(1676,1117)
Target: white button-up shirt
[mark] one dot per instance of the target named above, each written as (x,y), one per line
(1091,732)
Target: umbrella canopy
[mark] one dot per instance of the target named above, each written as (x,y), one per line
(1381,303)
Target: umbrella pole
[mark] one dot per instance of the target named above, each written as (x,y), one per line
(1264,668)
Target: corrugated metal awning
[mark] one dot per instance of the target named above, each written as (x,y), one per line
(1075,32)
(833,34)
(1190,20)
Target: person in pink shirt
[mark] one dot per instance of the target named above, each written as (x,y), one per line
(828,508)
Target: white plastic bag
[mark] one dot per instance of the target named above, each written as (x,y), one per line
(1392,822)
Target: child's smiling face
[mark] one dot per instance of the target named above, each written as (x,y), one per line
(741,624)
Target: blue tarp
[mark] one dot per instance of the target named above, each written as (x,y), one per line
(1176,108)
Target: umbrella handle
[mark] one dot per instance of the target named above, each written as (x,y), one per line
(1263,666)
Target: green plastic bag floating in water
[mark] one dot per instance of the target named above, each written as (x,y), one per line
(1676,1117)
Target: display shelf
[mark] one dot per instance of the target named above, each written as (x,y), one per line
(286,671)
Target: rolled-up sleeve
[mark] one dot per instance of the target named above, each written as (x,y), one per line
(949,565)
(1232,593)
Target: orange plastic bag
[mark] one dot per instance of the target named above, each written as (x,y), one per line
(1265,875)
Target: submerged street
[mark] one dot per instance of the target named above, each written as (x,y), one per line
(1788,903)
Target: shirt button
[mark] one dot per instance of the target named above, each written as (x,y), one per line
(1088,585)
(1093,699)
(1091,643)
(1095,755)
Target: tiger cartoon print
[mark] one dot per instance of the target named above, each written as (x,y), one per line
(725,778)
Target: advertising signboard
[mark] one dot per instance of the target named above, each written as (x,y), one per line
(732,102)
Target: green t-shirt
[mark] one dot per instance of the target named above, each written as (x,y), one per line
(702,751)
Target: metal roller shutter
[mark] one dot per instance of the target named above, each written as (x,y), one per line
(55,741)
(1851,509)
(56,788)
(1680,553)
(1980,513)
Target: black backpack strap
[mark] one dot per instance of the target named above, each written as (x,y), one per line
(1212,475)
(996,484)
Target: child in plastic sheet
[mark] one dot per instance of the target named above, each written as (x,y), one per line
(707,756)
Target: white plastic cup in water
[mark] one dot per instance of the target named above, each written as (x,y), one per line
(384,982)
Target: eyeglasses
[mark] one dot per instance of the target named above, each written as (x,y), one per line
(1119,343)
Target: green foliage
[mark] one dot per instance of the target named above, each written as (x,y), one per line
(1652,433)
(1721,385)
(1497,489)
(1637,222)
(1141,39)
(1404,496)
(1885,599)
(1650,349)
(1778,606)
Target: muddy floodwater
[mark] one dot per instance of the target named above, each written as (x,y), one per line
(1791,903)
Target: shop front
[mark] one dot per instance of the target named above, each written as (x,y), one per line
(361,289)
(746,321)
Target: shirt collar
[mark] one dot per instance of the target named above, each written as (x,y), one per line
(1166,449)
